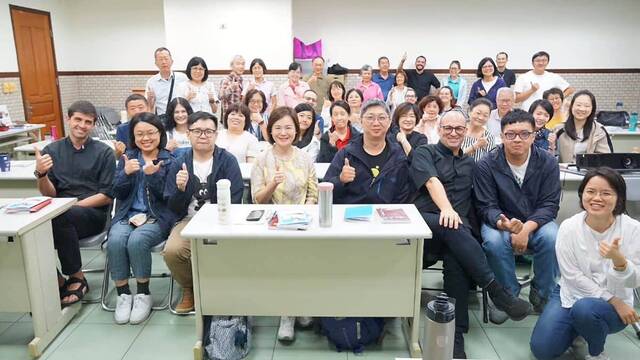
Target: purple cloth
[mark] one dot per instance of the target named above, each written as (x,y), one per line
(304,51)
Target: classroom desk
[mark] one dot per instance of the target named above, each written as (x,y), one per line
(28,149)
(20,181)
(623,140)
(570,203)
(28,271)
(245,169)
(18,134)
(349,269)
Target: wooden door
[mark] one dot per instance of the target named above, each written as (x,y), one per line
(37,64)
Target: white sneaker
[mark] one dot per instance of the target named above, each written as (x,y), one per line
(141,308)
(123,309)
(304,321)
(602,356)
(286,331)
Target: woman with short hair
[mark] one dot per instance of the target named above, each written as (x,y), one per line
(200,93)
(235,137)
(405,119)
(258,70)
(542,111)
(478,141)
(431,107)
(398,93)
(176,125)
(456,82)
(488,82)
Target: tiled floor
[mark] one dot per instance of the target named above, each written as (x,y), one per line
(93,335)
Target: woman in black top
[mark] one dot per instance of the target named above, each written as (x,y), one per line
(404,120)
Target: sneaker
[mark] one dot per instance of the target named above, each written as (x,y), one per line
(304,321)
(496,316)
(286,331)
(458,346)
(537,301)
(123,309)
(516,308)
(141,308)
(602,356)
(186,305)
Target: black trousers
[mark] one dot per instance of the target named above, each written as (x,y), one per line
(68,228)
(464,264)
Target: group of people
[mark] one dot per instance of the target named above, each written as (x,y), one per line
(486,182)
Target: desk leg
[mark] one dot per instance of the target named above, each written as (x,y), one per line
(411,326)
(40,267)
(197,348)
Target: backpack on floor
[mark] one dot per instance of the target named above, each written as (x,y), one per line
(228,338)
(352,333)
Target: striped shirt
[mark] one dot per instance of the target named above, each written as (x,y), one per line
(480,152)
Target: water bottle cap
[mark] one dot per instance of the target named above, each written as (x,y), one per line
(441,310)
(325,186)
(223,184)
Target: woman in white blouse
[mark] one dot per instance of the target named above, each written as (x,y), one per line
(258,69)
(429,124)
(200,93)
(397,94)
(309,137)
(598,252)
(235,137)
(176,124)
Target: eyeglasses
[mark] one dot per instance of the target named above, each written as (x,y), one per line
(197,69)
(207,132)
(460,130)
(371,118)
(524,135)
(591,193)
(255,101)
(141,135)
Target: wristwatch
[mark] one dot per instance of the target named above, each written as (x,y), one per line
(39,175)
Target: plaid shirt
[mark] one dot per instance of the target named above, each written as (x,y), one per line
(228,95)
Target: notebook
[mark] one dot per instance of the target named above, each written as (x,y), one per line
(358,213)
(393,216)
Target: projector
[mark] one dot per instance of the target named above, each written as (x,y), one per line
(623,162)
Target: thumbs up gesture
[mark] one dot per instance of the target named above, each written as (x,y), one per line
(612,251)
(182,178)
(43,162)
(150,169)
(130,166)
(279,176)
(535,86)
(348,173)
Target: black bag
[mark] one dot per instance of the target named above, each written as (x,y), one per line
(337,69)
(613,118)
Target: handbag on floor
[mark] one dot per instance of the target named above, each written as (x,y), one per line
(353,333)
(228,338)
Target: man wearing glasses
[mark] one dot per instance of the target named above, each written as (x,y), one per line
(370,170)
(191,182)
(444,177)
(517,188)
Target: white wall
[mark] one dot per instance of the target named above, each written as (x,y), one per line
(252,28)
(577,33)
(93,35)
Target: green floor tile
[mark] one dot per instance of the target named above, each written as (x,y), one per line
(4,326)
(510,343)
(97,342)
(14,340)
(631,334)
(155,342)
(10,317)
(165,317)
(266,321)
(478,346)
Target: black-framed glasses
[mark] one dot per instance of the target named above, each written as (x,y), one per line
(460,130)
(207,132)
(511,135)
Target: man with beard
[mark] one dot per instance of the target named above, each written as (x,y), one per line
(419,78)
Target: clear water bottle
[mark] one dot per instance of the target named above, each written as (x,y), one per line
(619,106)
(439,329)
(325,203)
(223,192)
(633,122)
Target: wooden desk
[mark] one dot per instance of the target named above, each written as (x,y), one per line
(28,271)
(20,181)
(349,269)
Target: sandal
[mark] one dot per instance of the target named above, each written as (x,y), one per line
(79,293)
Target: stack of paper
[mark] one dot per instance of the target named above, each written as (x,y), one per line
(290,220)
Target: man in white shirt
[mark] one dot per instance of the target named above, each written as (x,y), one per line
(164,83)
(530,85)
(505,99)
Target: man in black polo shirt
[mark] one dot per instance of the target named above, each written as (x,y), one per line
(444,176)
(76,166)
(420,79)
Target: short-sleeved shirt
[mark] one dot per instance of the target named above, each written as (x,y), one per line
(268,89)
(508,76)
(385,84)
(204,92)
(161,88)
(370,91)
(421,83)
(321,87)
(376,162)
(546,81)
(243,146)
(83,172)
(454,172)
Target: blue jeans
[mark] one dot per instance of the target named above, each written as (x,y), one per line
(130,247)
(542,243)
(557,327)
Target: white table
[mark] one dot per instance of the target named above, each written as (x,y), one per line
(349,269)
(245,169)
(17,134)
(28,271)
(20,181)
(624,141)
(28,149)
